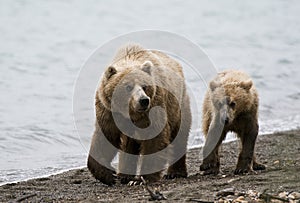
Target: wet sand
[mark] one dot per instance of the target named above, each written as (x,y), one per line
(279,151)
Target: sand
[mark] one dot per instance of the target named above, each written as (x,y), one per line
(279,151)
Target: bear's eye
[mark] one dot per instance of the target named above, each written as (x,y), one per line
(144,87)
(129,88)
(232,104)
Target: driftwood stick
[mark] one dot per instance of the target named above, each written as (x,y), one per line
(25,197)
(154,195)
(268,197)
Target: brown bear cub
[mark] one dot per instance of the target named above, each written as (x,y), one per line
(142,109)
(230,104)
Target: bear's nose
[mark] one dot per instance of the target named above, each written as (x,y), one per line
(144,102)
(226,121)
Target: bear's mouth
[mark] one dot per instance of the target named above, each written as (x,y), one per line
(142,109)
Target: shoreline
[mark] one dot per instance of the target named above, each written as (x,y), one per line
(195,147)
(279,151)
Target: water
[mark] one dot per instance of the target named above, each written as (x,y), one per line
(44,44)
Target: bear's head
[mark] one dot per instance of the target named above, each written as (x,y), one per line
(231,99)
(128,90)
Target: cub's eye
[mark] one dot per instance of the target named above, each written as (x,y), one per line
(144,87)
(129,88)
(232,104)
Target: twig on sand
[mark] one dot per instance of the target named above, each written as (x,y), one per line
(156,195)
(25,197)
(199,200)
(267,197)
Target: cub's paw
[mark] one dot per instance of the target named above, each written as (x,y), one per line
(210,168)
(258,166)
(242,170)
(244,165)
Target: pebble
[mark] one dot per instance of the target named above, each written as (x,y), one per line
(283,195)
(296,195)
(240,199)
(276,162)
(291,196)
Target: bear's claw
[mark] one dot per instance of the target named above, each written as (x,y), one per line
(238,171)
(108,179)
(135,182)
(125,179)
(174,175)
(258,167)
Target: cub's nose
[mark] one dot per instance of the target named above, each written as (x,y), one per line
(224,119)
(144,102)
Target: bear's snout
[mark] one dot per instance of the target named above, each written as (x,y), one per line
(225,120)
(144,102)
(224,117)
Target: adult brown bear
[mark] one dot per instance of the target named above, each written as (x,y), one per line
(136,82)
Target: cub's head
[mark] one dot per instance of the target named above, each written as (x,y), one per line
(129,89)
(231,99)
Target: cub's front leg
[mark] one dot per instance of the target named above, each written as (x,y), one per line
(211,159)
(248,139)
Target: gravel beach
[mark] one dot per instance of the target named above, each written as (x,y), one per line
(279,151)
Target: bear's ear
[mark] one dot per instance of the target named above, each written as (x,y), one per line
(213,85)
(110,72)
(146,67)
(246,84)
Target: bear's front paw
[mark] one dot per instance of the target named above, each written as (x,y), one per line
(125,179)
(172,175)
(106,176)
(210,168)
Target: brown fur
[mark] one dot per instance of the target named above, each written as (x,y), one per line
(136,66)
(230,104)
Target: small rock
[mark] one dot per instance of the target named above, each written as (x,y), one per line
(296,195)
(290,196)
(276,162)
(240,198)
(283,195)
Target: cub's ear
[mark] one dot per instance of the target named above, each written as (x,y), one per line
(213,85)
(246,84)
(110,72)
(146,67)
